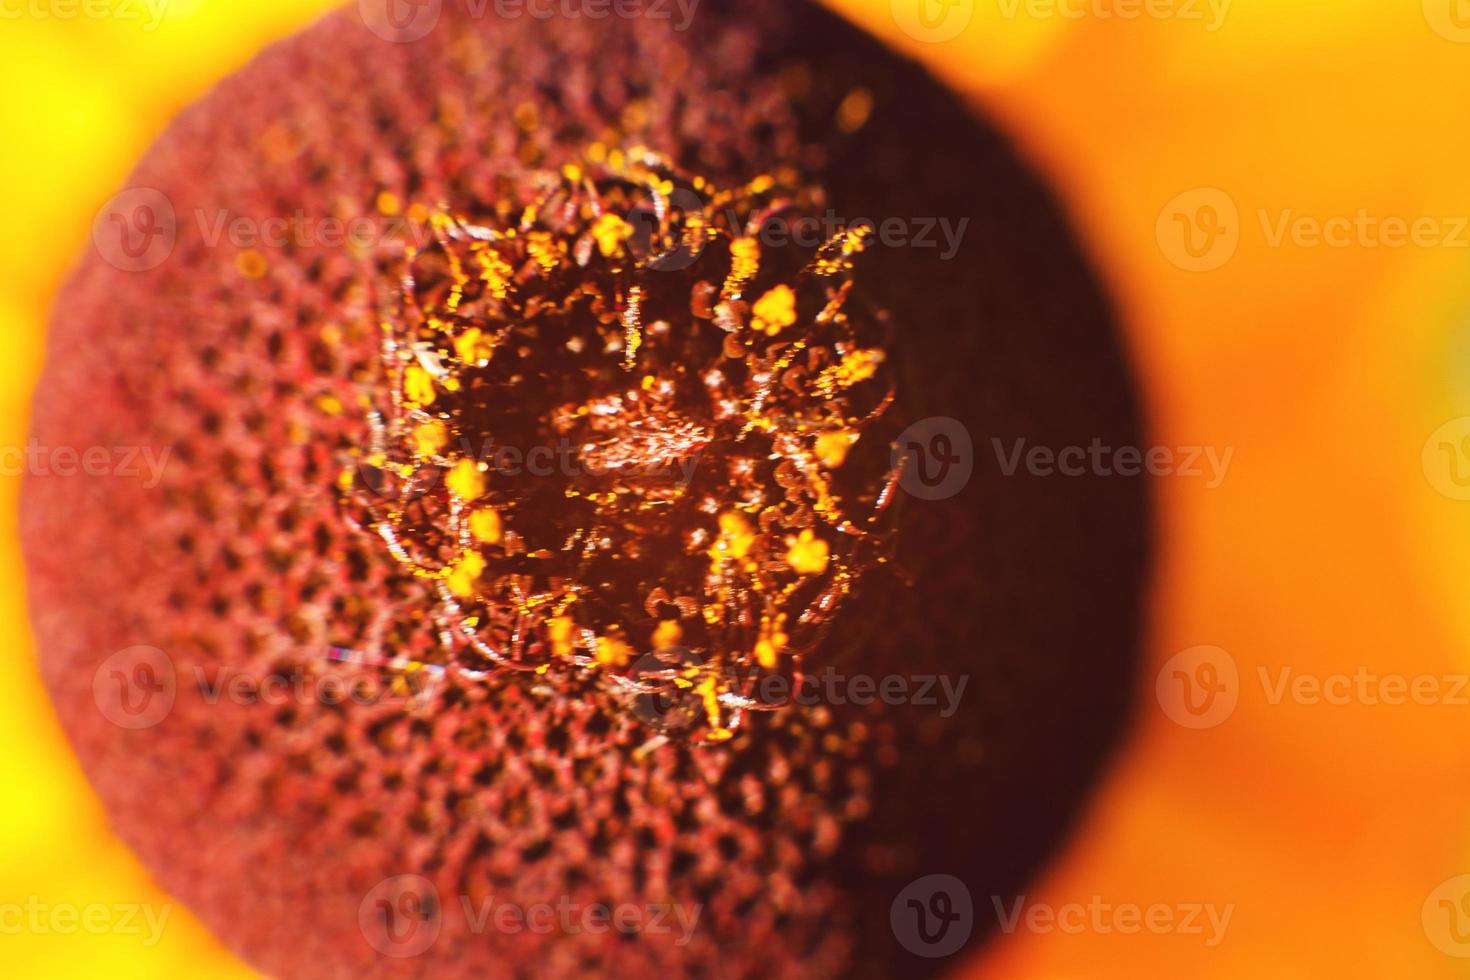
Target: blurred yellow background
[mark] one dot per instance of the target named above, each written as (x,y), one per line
(1197,145)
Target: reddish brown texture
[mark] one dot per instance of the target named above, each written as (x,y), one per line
(275,822)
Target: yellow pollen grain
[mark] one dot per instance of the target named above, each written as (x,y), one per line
(429,438)
(668,634)
(776,310)
(464,575)
(465,480)
(486,526)
(251,264)
(559,632)
(807,553)
(832,447)
(473,346)
(418,385)
(610,232)
(612,651)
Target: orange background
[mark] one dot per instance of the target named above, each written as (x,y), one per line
(1328,548)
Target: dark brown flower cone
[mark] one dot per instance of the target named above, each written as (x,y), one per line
(276,823)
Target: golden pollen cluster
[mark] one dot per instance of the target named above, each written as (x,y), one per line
(616,433)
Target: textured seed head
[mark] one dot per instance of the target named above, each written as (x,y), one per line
(326,746)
